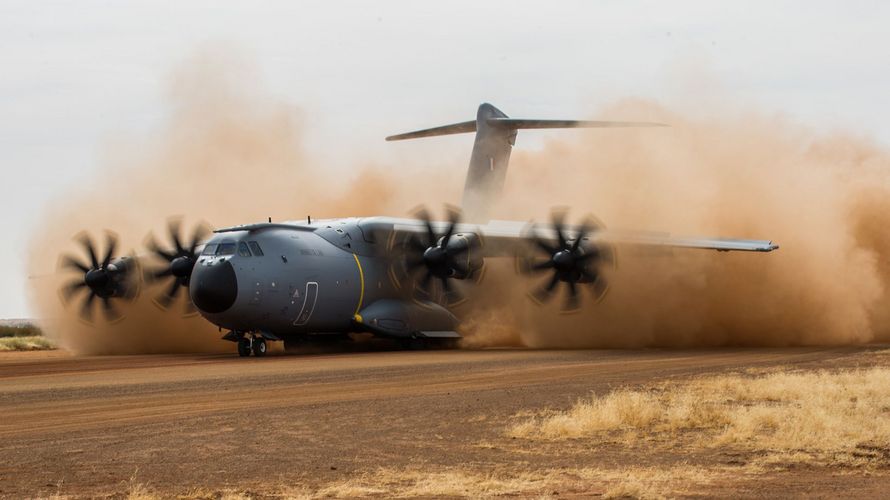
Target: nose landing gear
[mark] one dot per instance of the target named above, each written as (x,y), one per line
(249,343)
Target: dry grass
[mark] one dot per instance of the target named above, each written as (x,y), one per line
(832,417)
(35,343)
(633,482)
(630,482)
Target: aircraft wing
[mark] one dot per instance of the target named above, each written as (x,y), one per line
(505,238)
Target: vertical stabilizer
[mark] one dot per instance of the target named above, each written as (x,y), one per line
(488,164)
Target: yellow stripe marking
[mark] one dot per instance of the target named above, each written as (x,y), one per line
(361,277)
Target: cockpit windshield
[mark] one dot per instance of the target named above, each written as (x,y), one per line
(226,248)
(242,248)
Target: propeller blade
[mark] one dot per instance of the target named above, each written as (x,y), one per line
(161,273)
(174,289)
(558,218)
(415,244)
(71,288)
(430,234)
(199,234)
(592,254)
(109,253)
(571,303)
(453,219)
(189,308)
(545,246)
(423,215)
(156,249)
(547,264)
(72,263)
(572,290)
(173,227)
(88,244)
(599,287)
(169,296)
(588,275)
(543,293)
(111,312)
(553,281)
(86,310)
(582,233)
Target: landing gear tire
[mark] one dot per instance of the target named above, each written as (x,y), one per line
(244,347)
(259,347)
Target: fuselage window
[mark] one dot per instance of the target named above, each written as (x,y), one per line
(226,249)
(243,250)
(255,248)
(209,249)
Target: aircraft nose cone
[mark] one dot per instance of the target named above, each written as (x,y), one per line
(214,288)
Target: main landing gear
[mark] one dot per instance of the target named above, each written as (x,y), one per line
(248,344)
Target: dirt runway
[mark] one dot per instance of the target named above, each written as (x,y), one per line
(93,426)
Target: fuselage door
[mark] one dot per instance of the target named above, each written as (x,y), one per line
(308,303)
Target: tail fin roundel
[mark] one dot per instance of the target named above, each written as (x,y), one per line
(495,136)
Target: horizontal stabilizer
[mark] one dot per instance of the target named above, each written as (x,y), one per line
(454,128)
(516,124)
(522,123)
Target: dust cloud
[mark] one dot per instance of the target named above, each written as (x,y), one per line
(230,154)
(824,199)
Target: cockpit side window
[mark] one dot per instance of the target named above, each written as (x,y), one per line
(255,248)
(226,249)
(209,249)
(243,250)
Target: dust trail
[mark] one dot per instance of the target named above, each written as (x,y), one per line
(230,155)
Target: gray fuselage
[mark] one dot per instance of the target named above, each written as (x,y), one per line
(309,279)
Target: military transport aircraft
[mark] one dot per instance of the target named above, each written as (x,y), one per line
(392,277)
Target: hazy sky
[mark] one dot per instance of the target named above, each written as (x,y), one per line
(76,76)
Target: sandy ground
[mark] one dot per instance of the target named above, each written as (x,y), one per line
(94,426)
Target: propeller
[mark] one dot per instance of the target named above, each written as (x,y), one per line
(179,259)
(571,261)
(432,260)
(105,278)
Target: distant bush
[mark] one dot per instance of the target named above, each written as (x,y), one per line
(20,331)
(36,343)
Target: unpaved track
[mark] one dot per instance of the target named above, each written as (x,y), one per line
(86,426)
